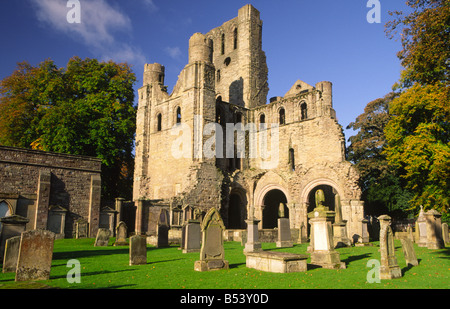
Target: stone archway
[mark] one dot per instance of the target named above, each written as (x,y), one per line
(272,200)
(237,210)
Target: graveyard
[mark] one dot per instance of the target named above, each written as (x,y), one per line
(108,267)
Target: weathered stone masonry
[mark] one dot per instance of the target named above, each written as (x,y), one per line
(31,182)
(226,81)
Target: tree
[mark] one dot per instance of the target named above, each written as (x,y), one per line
(382,188)
(85,109)
(418,136)
(418,131)
(425,36)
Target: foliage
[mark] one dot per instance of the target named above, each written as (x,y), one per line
(425,36)
(85,109)
(419,143)
(382,188)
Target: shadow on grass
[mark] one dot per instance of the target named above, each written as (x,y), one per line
(353,258)
(445,251)
(87,253)
(92,273)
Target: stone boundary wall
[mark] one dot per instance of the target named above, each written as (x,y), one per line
(32,181)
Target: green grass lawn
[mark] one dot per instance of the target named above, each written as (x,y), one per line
(169,268)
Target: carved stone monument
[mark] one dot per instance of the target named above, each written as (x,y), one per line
(121,234)
(389,267)
(434,230)
(192,236)
(408,252)
(321,246)
(102,239)
(445,235)
(212,252)
(11,254)
(340,238)
(421,229)
(11,226)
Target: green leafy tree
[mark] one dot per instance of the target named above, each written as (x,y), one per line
(418,132)
(84,109)
(382,188)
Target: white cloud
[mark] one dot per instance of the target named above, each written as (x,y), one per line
(150,4)
(174,52)
(100,23)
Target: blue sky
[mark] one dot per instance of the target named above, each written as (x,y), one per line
(310,40)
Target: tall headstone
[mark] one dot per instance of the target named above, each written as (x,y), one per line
(138,250)
(445,235)
(163,229)
(321,246)
(302,234)
(421,228)
(252,244)
(81,229)
(35,255)
(212,253)
(389,267)
(121,234)
(102,239)
(340,238)
(284,233)
(434,230)
(192,236)
(11,254)
(57,221)
(11,226)
(408,252)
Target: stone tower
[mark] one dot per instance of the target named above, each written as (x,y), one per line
(222,88)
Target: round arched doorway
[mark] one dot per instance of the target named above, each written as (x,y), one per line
(237,211)
(271,201)
(329,193)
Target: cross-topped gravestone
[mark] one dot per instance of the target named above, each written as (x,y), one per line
(212,252)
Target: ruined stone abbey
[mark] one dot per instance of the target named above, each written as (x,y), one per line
(226,82)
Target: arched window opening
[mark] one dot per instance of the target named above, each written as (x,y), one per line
(235,38)
(304,111)
(223,43)
(159,120)
(291,159)
(282,114)
(178,114)
(262,118)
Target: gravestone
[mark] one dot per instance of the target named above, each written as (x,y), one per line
(11,226)
(284,233)
(434,230)
(340,238)
(11,254)
(389,267)
(302,234)
(212,252)
(121,234)
(138,250)
(321,245)
(192,236)
(102,239)
(408,252)
(162,233)
(57,221)
(81,229)
(35,255)
(445,235)
(252,243)
(421,228)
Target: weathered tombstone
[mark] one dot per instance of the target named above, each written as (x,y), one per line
(408,252)
(11,226)
(302,237)
(102,239)
(11,254)
(162,234)
(252,244)
(81,229)
(421,228)
(57,221)
(434,230)
(445,235)
(389,267)
(192,236)
(138,250)
(107,218)
(121,234)
(321,245)
(212,252)
(284,233)
(340,238)
(35,255)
